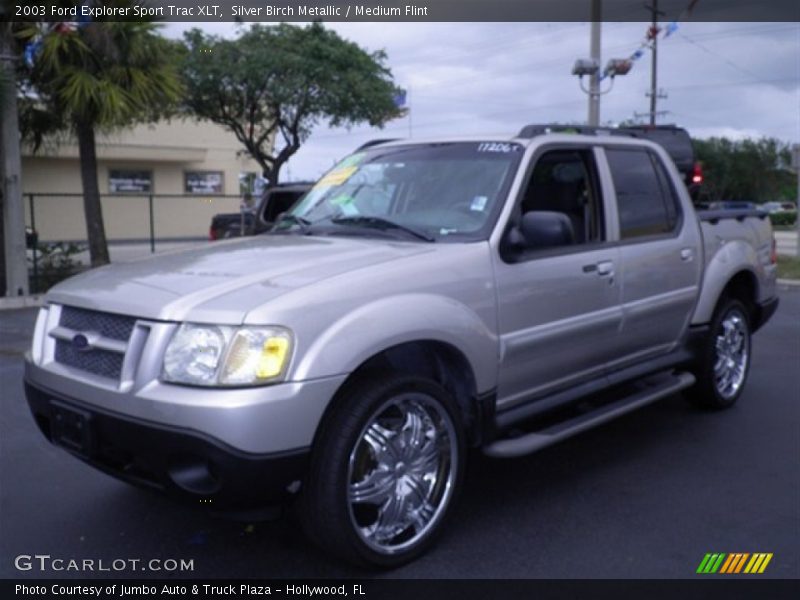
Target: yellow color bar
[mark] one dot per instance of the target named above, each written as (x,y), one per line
(765,563)
(755,563)
(749,567)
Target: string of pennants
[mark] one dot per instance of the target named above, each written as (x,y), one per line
(34,47)
(652,33)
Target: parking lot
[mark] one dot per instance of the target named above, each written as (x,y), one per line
(645,496)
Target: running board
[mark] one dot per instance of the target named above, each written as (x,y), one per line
(531,442)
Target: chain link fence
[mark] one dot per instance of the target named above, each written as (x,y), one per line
(136,225)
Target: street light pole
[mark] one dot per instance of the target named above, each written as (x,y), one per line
(594,49)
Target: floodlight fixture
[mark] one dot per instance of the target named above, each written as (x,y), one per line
(617,66)
(585,66)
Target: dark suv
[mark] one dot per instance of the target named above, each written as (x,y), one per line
(274,201)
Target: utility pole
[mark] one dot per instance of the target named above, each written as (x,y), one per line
(11,166)
(654,93)
(594,81)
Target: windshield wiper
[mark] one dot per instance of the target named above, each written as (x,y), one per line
(381,222)
(294,220)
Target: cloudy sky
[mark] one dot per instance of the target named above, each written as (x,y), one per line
(733,79)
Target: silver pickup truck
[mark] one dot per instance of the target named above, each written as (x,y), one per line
(423,298)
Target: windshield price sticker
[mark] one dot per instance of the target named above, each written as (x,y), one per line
(336,177)
(497,147)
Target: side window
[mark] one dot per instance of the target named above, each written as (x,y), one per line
(645,201)
(671,201)
(565,181)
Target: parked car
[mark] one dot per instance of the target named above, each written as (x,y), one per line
(425,297)
(274,201)
(733,205)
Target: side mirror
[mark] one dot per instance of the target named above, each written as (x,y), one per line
(546,229)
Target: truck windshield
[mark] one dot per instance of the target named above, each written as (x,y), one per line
(426,192)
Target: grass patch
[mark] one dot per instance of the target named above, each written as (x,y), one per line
(788,267)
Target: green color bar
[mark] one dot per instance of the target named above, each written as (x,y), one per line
(701,568)
(717,564)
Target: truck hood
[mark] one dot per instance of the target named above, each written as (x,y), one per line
(222,281)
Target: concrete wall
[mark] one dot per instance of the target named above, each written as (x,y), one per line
(167,150)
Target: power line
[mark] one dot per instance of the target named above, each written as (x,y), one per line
(721,57)
(513,70)
(735,83)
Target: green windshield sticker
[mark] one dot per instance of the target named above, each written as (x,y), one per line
(342,199)
(346,204)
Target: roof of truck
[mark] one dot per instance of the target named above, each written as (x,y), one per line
(529,132)
(670,138)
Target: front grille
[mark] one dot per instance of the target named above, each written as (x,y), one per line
(97,361)
(116,327)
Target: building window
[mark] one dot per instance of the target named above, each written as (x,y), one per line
(203,182)
(127,181)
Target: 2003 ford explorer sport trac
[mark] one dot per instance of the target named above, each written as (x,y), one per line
(422,298)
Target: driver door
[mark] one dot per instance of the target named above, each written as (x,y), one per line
(559,307)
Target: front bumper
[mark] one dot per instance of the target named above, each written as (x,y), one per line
(182,463)
(256,420)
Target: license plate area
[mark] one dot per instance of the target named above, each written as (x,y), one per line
(71,428)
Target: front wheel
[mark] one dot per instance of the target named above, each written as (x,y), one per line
(725,359)
(385,471)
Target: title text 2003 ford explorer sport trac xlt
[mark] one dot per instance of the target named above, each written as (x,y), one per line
(422,298)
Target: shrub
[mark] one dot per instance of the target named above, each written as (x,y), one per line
(783,218)
(54,262)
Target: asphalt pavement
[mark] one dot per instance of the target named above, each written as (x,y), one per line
(646,496)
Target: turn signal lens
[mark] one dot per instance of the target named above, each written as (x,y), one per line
(273,357)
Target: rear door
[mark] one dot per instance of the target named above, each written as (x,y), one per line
(660,258)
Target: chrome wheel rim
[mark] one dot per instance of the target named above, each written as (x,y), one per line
(732,354)
(401,472)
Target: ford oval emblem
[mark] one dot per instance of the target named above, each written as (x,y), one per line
(80,342)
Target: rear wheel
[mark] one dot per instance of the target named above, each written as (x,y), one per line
(725,360)
(385,471)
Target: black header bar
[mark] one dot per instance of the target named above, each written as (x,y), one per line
(391,10)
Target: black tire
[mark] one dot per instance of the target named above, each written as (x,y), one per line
(711,390)
(351,448)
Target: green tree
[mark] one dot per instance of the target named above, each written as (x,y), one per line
(750,170)
(100,77)
(274,83)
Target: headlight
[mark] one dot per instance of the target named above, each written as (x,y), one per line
(217,355)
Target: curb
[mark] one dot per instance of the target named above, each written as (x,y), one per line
(789,282)
(17,302)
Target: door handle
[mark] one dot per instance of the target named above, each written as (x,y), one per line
(605,268)
(687,255)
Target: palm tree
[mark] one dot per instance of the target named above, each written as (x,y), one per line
(103,76)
